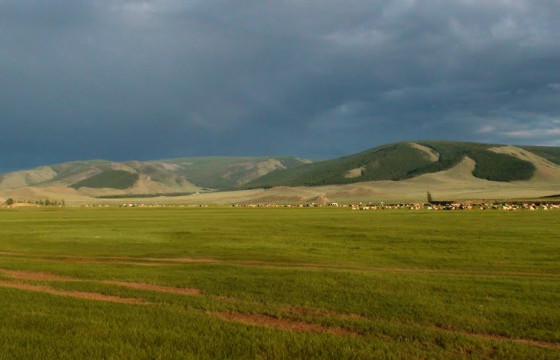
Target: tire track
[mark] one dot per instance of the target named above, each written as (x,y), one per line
(74,294)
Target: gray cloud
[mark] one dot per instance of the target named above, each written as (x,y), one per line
(147,79)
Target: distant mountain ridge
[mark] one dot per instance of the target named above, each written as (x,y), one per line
(404,160)
(463,167)
(181,175)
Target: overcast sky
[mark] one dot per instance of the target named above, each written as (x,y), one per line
(127,79)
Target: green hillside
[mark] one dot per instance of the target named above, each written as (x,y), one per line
(229,172)
(489,165)
(76,168)
(172,175)
(550,153)
(388,162)
(394,162)
(400,161)
(115,179)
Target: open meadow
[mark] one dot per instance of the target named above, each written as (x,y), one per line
(180,283)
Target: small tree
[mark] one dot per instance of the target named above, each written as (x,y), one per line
(429,196)
(10,201)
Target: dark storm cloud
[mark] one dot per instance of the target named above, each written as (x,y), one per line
(148,79)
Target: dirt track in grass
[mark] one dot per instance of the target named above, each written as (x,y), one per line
(283,323)
(262,320)
(28,275)
(547,344)
(151,261)
(158,288)
(42,276)
(75,294)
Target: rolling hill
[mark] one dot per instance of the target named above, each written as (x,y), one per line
(405,160)
(392,172)
(101,178)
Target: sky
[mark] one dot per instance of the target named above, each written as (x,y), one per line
(151,79)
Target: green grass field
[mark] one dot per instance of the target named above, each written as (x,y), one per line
(180,283)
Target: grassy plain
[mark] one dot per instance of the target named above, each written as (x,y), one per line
(168,283)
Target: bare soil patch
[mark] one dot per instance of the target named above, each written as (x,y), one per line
(323,313)
(158,288)
(28,275)
(533,342)
(74,294)
(183,260)
(9,253)
(282,323)
(99,261)
(38,276)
